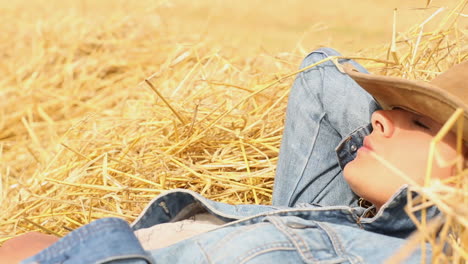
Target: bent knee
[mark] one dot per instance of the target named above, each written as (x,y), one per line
(318,55)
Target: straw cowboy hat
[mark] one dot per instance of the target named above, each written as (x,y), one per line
(437,99)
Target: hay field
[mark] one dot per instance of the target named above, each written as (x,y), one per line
(83,136)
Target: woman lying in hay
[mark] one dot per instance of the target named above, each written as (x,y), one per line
(327,167)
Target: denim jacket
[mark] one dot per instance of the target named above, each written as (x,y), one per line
(306,233)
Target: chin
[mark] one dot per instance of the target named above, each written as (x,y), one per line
(352,174)
(349,170)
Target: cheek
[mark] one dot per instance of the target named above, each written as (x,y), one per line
(413,160)
(411,156)
(444,162)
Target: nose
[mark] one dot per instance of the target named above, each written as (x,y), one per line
(382,123)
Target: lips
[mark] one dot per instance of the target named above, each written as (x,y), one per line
(367,145)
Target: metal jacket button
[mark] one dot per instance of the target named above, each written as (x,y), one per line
(296,225)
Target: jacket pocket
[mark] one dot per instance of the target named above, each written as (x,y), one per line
(269,239)
(312,242)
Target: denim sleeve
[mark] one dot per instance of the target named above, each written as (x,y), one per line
(324,106)
(107,240)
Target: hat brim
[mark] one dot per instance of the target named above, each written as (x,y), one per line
(420,97)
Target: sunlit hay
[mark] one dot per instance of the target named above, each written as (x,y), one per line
(102,148)
(79,141)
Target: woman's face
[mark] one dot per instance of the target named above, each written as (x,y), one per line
(402,138)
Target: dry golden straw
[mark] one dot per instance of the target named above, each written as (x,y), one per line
(80,141)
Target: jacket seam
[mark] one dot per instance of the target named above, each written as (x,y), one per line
(235,233)
(264,249)
(202,249)
(301,246)
(337,245)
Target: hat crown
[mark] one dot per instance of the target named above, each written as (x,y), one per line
(454,81)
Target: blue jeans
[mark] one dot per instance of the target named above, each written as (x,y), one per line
(324,107)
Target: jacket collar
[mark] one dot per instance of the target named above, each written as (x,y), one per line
(392,218)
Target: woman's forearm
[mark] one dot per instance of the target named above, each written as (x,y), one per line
(24,246)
